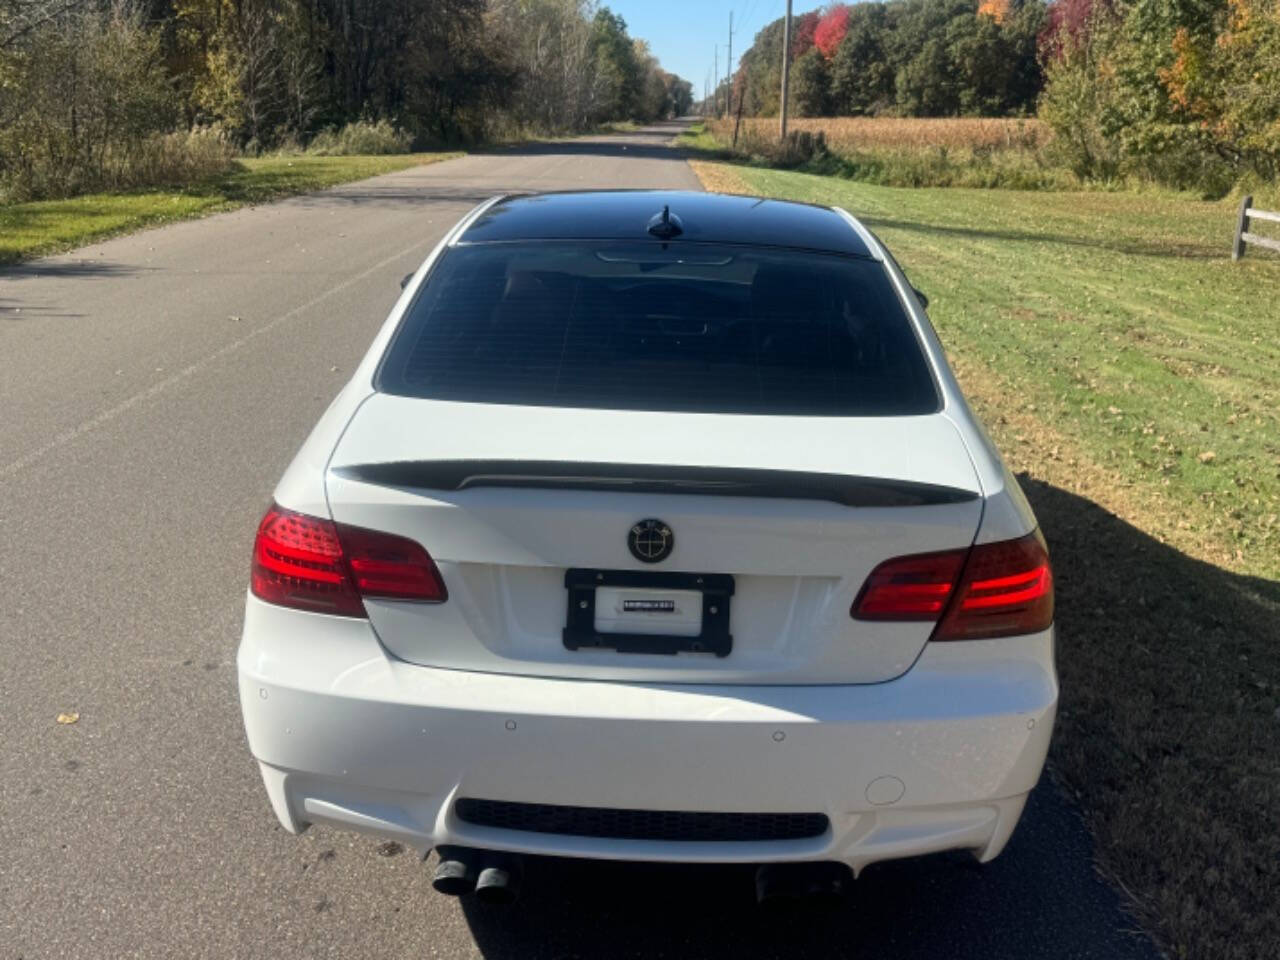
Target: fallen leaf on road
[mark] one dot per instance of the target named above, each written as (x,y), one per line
(68,717)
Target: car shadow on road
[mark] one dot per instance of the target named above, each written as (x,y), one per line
(1041,898)
(66,269)
(28,306)
(397,197)
(1165,713)
(648,149)
(1168,728)
(652,142)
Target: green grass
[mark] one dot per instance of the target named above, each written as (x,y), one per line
(47,226)
(1121,320)
(698,138)
(1111,345)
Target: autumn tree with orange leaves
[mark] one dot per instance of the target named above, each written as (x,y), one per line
(1228,84)
(1180,92)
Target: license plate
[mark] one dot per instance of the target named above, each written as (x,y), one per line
(649,609)
(633,611)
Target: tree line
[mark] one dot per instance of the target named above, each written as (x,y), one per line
(900,57)
(112,93)
(1187,91)
(1182,92)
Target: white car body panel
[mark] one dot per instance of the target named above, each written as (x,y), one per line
(1007,514)
(941,758)
(907,746)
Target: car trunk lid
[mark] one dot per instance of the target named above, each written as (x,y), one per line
(517,504)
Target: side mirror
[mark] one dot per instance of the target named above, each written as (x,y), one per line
(924,301)
(405,282)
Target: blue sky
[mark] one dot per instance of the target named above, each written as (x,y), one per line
(683,33)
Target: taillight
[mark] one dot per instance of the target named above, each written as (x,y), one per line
(991,590)
(310,563)
(1006,589)
(391,567)
(910,588)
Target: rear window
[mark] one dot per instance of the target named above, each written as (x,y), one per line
(647,326)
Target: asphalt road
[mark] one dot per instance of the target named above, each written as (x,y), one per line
(153,389)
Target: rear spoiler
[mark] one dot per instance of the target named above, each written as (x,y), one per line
(849,491)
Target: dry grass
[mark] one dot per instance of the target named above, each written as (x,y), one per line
(983,152)
(851,134)
(719,177)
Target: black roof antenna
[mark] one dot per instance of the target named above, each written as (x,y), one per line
(664,226)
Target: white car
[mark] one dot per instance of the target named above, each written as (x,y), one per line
(653,526)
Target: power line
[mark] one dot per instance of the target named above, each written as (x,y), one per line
(747,20)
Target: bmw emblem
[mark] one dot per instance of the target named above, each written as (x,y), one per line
(651,541)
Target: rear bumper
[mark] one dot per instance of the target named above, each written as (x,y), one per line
(940,758)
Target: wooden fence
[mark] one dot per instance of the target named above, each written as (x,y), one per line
(1243,236)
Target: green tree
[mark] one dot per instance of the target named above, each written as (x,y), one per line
(85,95)
(862,78)
(618,70)
(811,86)
(1182,92)
(915,57)
(926,85)
(1079,86)
(761,71)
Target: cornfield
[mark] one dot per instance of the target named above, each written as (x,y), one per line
(853,134)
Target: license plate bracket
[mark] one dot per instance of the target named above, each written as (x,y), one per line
(580,623)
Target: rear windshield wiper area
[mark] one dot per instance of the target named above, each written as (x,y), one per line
(849,491)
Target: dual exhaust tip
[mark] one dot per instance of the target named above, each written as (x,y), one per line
(494,878)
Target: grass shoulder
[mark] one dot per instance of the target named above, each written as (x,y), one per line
(1120,319)
(699,139)
(1130,372)
(48,226)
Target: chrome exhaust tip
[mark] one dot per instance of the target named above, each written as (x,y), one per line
(498,884)
(455,874)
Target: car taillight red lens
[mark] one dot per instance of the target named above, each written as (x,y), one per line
(1006,589)
(910,588)
(298,562)
(391,567)
(991,590)
(310,563)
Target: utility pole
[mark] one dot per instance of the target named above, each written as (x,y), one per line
(715,87)
(786,70)
(728,70)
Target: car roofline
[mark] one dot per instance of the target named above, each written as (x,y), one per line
(457,236)
(461,242)
(462,226)
(874,250)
